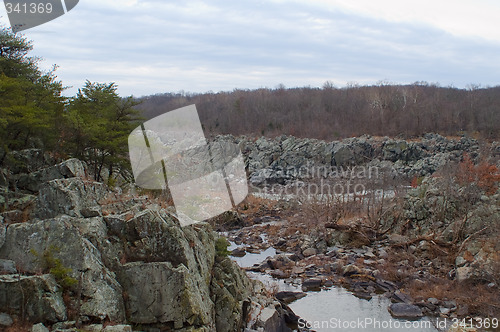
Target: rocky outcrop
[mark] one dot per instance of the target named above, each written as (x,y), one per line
(231,291)
(74,197)
(27,161)
(68,169)
(285,159)
(117,258)
(61,238)
(36,297)
(160,293)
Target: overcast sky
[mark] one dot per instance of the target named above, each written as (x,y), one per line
(157,46)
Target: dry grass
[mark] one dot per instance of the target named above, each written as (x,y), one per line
(481,300)
(256,206)
(395,273)
(272,289)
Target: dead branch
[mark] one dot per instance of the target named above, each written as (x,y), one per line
(429,238)
(468,238)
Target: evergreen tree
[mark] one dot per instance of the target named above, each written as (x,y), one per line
(31,103)
(99,122)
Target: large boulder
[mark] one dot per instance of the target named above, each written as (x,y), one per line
(60,238)
(7,266)
(161,293)
(29,160)
(37,297)
(156,236)
(393,150)
(231,290)
(68,169)
(74,197)
(179,262)
(352,152)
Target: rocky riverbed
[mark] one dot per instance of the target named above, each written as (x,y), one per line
(75,253)
(415,273)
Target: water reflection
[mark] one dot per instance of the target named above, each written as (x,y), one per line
(250,259)
(336,309)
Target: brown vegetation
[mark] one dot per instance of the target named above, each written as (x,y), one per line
(332,113)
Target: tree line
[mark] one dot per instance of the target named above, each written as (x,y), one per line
(93,125)
(331,113)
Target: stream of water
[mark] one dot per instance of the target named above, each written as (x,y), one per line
(335,308)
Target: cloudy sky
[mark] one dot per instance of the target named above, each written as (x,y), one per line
(156,46)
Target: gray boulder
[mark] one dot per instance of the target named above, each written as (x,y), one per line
(393,150)
(309,252)
(180,266)
(402,151)
(161,293)
(271,316)
(5,320)
(39,328)
(404,310)
(67,169)
(352,152)
(69,196)
(289,296)
(61,238)
(7,266)
(38,296)
(230,291)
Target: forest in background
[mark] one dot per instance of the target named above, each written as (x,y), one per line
(332,113)
(94,124)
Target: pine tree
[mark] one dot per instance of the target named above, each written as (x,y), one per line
(31,103)
(99,122)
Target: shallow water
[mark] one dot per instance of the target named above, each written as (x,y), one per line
(250,259)
(335,309)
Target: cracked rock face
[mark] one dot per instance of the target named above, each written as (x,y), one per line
(63,239)
(132,260)
(160,293)
(38,296)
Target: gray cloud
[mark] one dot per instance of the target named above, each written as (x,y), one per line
(159,46)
